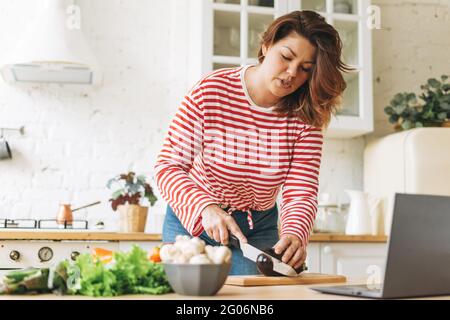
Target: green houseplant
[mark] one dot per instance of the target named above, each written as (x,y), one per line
(130,192)
(406,112)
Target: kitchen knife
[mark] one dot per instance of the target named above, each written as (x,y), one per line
(256,255)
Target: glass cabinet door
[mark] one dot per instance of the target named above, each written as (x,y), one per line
(314,5)
(230,34)
(262,3)
(348,31)
(333,6)
(257,24)
(350,103)
(344,16)
(238,26)
(228,1)
(345,6)
(227,33)
(355,115)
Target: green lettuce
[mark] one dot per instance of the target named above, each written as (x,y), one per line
(130,273)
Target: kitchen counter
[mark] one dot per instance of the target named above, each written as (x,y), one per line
(338,237)
(77,235)
(117,236)
(287,292)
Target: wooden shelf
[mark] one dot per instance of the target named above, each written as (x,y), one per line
(116,236)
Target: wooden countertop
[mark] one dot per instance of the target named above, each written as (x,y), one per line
(78,235)
(116,236)
(287,292)
(337,237)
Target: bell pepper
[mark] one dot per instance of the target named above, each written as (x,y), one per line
(154,257)
(104,255)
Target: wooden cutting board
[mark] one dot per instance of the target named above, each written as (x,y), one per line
(304,278)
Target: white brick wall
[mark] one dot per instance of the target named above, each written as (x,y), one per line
(77,139)
(412,46)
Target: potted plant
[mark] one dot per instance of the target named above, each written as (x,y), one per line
(128,197)
(405,111)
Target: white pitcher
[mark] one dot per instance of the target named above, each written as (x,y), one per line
(376,215)
(359,220)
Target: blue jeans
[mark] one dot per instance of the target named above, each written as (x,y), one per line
(263,235)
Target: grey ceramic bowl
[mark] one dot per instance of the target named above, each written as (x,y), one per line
(196,279)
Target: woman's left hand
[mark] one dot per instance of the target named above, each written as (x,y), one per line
(293,252)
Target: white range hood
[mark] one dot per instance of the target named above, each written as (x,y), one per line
(53,50)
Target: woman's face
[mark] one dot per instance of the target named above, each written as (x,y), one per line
(287,64)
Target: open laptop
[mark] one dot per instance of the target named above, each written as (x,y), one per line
(418,258)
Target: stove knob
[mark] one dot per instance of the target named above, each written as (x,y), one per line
(74,255)
(14,255)
(45,254)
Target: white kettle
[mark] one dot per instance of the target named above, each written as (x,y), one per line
(360,220)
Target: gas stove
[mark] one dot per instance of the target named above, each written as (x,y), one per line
(46,224)
(18,254)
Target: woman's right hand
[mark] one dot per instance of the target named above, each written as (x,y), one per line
(217,223)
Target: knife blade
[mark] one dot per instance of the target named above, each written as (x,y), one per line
(252,253)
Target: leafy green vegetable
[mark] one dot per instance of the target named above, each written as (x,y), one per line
(136,274)
(31,280)
(131,273)
(17,276)
(90,278)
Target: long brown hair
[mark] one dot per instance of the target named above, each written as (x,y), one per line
(318,98)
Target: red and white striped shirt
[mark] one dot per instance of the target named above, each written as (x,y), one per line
(222,148)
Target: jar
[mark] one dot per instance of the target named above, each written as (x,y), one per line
(330,218)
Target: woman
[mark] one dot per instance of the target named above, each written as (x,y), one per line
(243,134)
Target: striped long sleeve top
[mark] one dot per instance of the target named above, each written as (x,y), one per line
(221,148)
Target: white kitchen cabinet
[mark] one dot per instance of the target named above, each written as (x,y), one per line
(351,259)
(226,33)
(313,257)
(354,260)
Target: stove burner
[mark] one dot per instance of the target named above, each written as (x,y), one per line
(53,224)
(18,223)
(41,224)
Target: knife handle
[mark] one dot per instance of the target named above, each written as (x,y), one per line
(234,241)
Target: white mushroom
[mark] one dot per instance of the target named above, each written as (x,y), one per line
(185,245)
(200,244)
(181,259)
(194,250)
(222,255)
(210,251)
(169,253)
(194,246)
(188,246)
(200,259)
(218,255)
